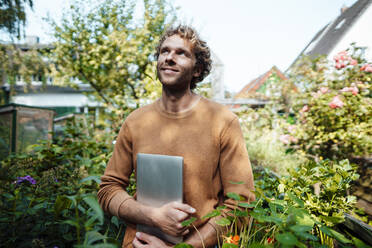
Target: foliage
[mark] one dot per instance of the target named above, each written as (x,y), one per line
(48,197)
(103,45)
(335,106)
(204,89)
(322,187)
(13,16)
(262,130)
(25,64)
(282,215)
(59,208)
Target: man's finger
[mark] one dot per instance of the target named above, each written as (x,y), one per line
(147,238)
(184,207)
(137,244)
(179,215)
(185,232)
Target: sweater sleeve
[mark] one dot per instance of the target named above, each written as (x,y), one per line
(235,165)
(112,191)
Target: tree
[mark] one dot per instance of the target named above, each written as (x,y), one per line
(22,64)
(104,46)
(13,16)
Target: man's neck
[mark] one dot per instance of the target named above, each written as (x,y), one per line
(178,101)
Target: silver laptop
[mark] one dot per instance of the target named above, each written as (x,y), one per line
(159,181)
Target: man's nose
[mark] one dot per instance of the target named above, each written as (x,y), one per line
(170,56)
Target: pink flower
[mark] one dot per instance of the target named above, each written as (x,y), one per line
(291,128)
(287,139)
(316,94)
(305,108)
(341,56)
(369,68)
(339,65)
(366,68)
(336,102)
(323,90)
(353,89)
(353,62)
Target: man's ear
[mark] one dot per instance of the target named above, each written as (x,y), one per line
(197,71)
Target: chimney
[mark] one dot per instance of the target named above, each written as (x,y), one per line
(343,8)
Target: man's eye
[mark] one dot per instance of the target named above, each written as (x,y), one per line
(164,51)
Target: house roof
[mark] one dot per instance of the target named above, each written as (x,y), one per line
(256,83)
(328,37)
(40,88)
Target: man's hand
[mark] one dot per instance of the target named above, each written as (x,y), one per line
(144,240)
(170,216)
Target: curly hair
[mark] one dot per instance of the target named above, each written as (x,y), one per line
(201,50)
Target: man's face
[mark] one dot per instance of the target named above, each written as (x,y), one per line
(176,62)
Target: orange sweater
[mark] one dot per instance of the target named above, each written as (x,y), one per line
(208,137)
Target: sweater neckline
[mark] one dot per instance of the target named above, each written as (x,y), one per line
(176,115)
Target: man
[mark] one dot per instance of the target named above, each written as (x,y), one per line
(181,123)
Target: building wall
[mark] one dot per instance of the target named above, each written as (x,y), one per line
(360,33)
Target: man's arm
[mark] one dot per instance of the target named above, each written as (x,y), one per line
(208,235)
(234,167)
(167,218)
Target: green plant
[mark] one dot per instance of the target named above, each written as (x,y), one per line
(283,216)
(263,129)
(48,196)
(335,106)
(323,187)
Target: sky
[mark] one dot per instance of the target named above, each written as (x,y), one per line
(248,36)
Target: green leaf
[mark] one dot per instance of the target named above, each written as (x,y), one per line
(115,221)
(95,178)
(221,207)
(223,222)
(71,222)
(214,213)
(359,244)
(239,213)
(301,217)
(233,196)
(229,245)
(300,228)
(258,245)
(326,230)
(246,205)
(61,203)
(188,221)
(332,233)
(295,199)
(183,245)
(273,219)
(94,205)
(232,182)
(287,239)
(307,236)
(93,236)
(340,237)
(279,202)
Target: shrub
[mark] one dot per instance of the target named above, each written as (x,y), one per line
(335,107)
(48,196)
(262,131)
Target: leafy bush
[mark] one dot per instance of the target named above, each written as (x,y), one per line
(335,106)
(48,197)
(284,215)
(263,129)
